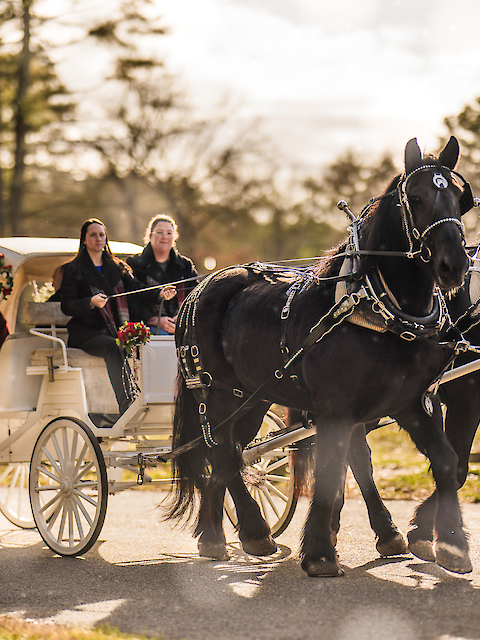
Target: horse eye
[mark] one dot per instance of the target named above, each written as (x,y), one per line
(414,199)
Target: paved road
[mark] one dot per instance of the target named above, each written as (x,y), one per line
(143,576)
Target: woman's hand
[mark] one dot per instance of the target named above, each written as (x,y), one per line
(99,301)
(167,324)
(168,292)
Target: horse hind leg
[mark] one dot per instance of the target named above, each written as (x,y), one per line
(253,531)
(211,541)
(390,540)
(227,463)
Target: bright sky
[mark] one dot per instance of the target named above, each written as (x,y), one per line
(324,75)
(327,75)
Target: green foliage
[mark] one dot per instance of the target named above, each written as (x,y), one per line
(466,127)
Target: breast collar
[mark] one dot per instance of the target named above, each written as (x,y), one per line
(379,311)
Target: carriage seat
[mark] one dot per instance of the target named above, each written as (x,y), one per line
(45,314)
(98,389)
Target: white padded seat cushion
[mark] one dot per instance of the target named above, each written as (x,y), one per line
(98,388)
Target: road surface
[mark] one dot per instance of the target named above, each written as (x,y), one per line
(144,576)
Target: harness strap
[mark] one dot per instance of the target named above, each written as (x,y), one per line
(335,316)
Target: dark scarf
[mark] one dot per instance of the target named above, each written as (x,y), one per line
(102,282)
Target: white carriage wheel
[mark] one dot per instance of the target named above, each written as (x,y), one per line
(68,486)
(14,500)
(270,482)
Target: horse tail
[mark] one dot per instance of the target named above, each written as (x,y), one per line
(189,468)
(303,455)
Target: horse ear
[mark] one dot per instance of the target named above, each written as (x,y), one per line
(413,156)
(449,154)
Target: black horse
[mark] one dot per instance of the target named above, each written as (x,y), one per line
(461,397)
(259,333)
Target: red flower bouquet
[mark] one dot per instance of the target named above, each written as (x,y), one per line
(132,335)
(6,279)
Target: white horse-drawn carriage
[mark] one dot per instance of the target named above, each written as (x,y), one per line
(63,447)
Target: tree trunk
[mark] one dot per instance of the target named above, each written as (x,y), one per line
(17,192)
(2,181)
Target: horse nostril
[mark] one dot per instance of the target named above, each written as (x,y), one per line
(445,266)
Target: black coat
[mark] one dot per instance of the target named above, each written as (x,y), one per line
(149,271)
(81,280)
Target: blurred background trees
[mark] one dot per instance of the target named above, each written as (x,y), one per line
(138,148)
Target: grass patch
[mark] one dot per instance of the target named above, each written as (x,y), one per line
(15,629)
(402,473)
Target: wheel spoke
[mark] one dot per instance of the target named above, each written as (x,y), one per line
(281,462)
(267,495)
(8,469)
(80,459)
(82,507)
(84,470)
(52,460)
(73,460)
(70,523)
(276,491)
(12,484)
(51,502)
(65,447)
(58,450)
(273,478)
(86,484)
(77,519)
(20,489)
(89,499)
(46,472)
(62,521)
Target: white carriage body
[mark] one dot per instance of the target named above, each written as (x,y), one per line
(30,398)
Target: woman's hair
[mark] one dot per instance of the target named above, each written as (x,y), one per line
(107,252)
(160,217)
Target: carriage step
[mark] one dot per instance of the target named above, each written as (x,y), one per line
(104,420)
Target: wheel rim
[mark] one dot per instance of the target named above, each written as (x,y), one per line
(270,481)
(68,486)
(14,499)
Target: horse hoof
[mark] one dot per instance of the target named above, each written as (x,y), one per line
(396,546)
(422,549)
(323,568)
(452,558)
(215,550)
(264,547)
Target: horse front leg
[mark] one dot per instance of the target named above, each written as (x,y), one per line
(450,546)
(390,540)
(319,558)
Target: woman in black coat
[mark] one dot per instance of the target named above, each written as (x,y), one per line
(160,263)
(94,274)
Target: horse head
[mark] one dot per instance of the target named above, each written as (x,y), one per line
(432,203)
